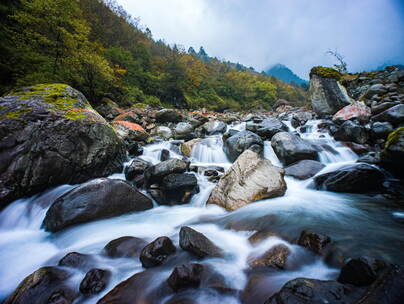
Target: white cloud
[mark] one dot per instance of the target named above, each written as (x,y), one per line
(297,33)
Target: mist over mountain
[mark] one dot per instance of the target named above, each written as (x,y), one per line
(285,74)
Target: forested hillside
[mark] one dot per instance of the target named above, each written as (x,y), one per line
(96,47)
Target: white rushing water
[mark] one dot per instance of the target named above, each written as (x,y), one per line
(24,246)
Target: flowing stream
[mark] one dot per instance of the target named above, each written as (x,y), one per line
(358,224)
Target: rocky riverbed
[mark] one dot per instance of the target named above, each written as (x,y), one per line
(140,205)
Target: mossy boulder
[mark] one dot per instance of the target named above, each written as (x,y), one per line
(50,135)
(327,95)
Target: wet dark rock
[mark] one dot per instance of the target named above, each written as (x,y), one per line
(358,272)
(310,291)
(351,131)
(165,155)
(394,115)
(314,242)
(178,188)
(126,246)
(135,171)
(77,260)
(94,281)
(235,145)
(96,199)
(357,148)
(381,129)
(155,253)
(381,107)
(198,244)
(214,127)
(275,257)
(304,169)
(356,178)
(156,173)
(134,148)
(267,128)
(45,285)
(370,158)
(185,276)
(168,115)
(393,154)
(290,148)
(49,136)
(387,289)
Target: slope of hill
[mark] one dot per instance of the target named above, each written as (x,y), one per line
(285,74)
(98,48)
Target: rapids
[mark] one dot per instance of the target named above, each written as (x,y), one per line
(359,224)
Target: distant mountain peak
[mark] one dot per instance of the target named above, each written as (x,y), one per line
(285,74)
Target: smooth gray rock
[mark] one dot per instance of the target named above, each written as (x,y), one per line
(241,141)
(93,200)
(290,148)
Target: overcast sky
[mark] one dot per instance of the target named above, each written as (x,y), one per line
(297,33)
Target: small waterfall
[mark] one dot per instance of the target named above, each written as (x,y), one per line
(209,151)
(331,150)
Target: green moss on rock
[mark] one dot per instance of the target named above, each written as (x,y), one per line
(393,137)
(59,98)
(325,72)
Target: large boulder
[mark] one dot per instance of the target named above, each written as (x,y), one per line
(290,148)
(327,95)
(98,198)
(356,110)
(267,128)
(250,178)
(356,178)
(50,135)
(45,285)
(304,169)
(239,142)
(198,244)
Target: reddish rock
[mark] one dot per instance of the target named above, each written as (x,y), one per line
(356,110)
